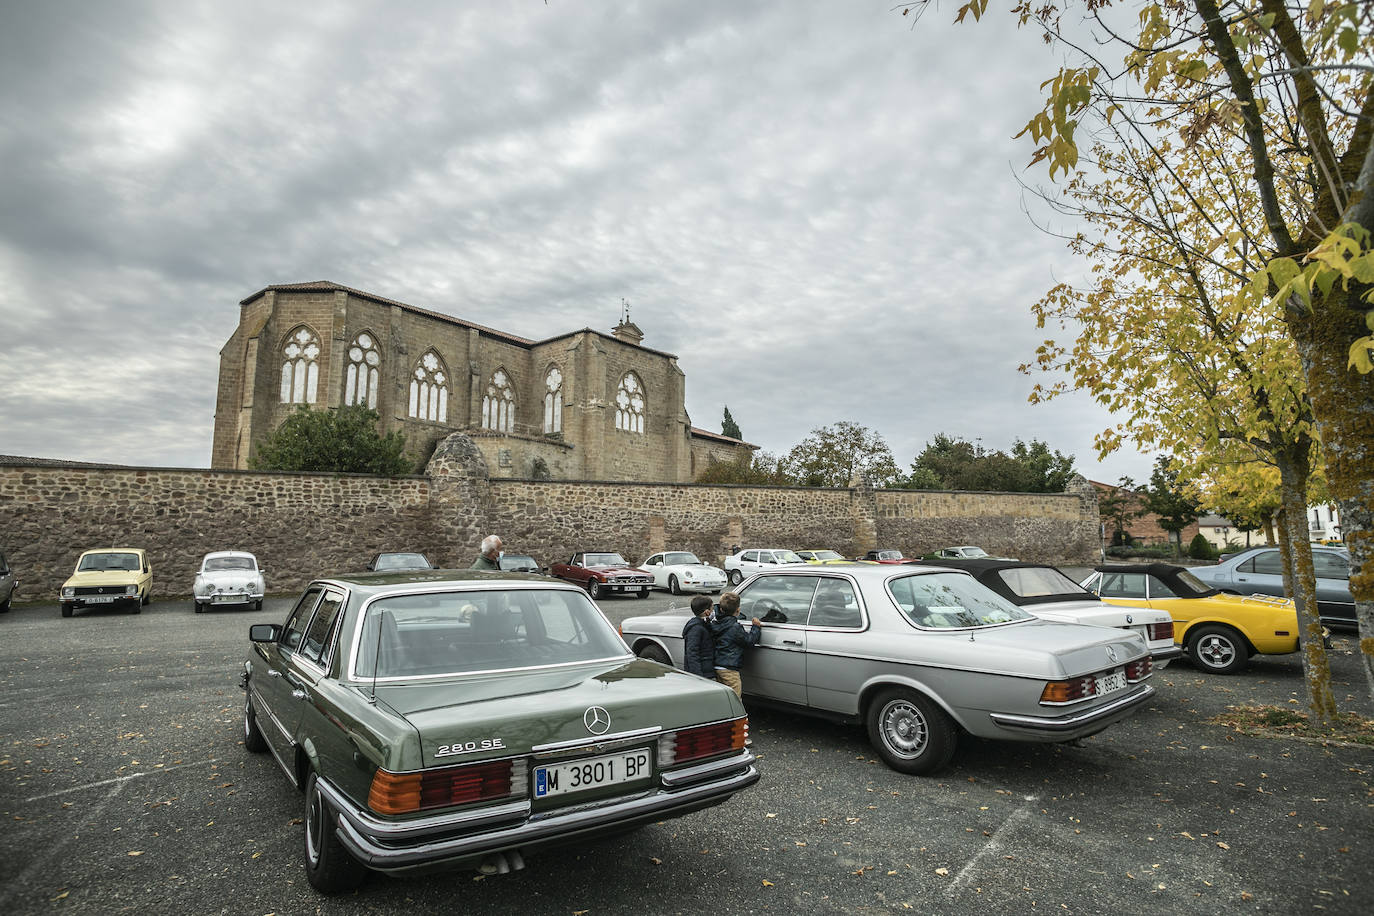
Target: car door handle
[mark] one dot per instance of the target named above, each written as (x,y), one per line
(791,642)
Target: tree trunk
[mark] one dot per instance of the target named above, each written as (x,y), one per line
(1302,585)
(1285,552)
(1343,404)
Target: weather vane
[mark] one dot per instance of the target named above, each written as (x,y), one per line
(625,311)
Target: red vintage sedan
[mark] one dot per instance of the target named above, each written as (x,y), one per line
(604,574)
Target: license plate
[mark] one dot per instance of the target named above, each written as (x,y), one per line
(1110,683)
(591,773)
(229,599)
(100,599)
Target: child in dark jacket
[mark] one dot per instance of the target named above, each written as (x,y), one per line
(731,641)
(698,641)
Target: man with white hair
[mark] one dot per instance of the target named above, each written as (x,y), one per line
(491,552)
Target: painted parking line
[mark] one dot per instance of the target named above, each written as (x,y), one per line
(24,881)
(119,780)
(993,845)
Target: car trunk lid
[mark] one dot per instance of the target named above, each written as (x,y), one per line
(480,716)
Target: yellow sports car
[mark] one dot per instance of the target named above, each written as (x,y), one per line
(822,556)
(1218,631)
(116,575)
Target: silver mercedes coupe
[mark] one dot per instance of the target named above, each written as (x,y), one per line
(920,654)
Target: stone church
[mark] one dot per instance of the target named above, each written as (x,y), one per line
(583,405)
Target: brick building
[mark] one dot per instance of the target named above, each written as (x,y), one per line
(1143,528)
(583,405)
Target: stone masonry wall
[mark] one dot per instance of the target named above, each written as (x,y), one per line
(306,525)
(299,525)
(552,519)
(1040,527)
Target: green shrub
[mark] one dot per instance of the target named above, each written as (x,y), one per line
(1199,548)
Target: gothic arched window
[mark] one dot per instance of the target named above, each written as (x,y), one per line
(360,383)
(629,404)
(553,401)
(498,404)
(300,368)
(429,389)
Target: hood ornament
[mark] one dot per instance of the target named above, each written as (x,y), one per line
(598,720)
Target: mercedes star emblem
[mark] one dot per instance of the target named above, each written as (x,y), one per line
(598,720)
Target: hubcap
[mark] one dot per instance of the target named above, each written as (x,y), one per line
(1215,651)
(904,728)
(314,826)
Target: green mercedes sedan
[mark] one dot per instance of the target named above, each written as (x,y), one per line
(446,718)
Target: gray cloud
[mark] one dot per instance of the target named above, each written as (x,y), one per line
(813,205)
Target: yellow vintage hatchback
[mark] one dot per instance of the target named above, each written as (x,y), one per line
(822,557)
(1218,631)
(114,575)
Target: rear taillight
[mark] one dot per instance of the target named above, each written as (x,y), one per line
(1161,630)
(406,793)
(1080,688)
(704,741)
(1139,669)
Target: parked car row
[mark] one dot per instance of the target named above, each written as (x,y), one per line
(469,719)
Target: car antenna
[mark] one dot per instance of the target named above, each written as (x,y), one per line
(376,660)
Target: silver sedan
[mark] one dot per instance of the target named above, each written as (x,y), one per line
(919,655)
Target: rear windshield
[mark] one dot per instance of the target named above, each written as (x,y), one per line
(945,601)
(102,561)
(215,563)
(444,633)
(402,561)
(1040,582)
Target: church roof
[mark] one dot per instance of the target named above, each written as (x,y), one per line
(328,286)
(719,437)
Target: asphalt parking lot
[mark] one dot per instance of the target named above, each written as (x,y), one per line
(126,787)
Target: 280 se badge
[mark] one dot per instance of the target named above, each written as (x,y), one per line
(468,747)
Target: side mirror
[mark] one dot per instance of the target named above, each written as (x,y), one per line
(145,567)
(264,632)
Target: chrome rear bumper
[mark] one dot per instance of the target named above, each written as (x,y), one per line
(452,839)
(1076,725)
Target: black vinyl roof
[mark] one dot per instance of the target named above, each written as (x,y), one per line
(987,572)
(1167,573)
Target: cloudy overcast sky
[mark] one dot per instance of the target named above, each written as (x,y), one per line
(813,204)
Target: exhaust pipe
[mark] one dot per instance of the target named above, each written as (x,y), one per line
(502,863)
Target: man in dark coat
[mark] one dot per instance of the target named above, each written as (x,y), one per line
(698,641)
(731,641)
(490,556)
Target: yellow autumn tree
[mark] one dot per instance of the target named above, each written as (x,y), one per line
(1287,85)
(1164,333)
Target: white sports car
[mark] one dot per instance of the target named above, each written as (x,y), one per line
(679,571)
(228,577)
